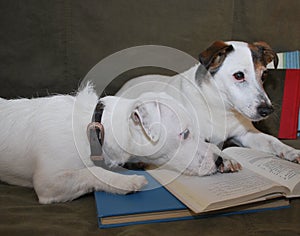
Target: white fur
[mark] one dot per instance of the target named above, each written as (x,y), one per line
(155,136)
(43,144)
(223,107)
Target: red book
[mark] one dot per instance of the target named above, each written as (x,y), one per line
(290,105)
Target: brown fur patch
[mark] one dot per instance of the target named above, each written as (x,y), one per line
(213,57)
(262,54)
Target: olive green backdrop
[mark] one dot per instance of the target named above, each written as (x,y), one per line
(48,46)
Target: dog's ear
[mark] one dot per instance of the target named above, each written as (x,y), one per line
(148,116)
(213,57)
(266,54)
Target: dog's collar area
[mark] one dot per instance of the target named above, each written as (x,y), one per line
(95,133)
(100,134)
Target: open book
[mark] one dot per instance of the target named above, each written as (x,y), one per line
(263,177)
(156,204)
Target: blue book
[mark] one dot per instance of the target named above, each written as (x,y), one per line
(291,60)
(288,60)
(157,204)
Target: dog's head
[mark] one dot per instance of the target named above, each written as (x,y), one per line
(154,126)
(239,70)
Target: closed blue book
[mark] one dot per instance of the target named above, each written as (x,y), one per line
(288,60)
(298,59)
(291,60)
(156,204)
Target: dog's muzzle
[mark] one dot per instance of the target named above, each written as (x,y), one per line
(264,110)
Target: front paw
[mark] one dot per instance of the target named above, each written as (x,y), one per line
(135,183)
(292,155)
(227,165)
(129,184)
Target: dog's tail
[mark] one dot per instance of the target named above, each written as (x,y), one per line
(87,96)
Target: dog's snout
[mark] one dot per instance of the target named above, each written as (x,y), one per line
(264,110)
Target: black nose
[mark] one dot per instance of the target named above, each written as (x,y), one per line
(265,110)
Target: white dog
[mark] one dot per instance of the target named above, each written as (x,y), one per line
(44,142)
(223,94)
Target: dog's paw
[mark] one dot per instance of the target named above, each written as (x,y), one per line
(297,160)
(292,155)
(129,184)
(201,166)
(227,165)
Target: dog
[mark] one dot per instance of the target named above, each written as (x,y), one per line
(224,93)
(44,142)
(44,145)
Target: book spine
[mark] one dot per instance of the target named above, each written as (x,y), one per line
(280,63)
(290,105)
(288,60)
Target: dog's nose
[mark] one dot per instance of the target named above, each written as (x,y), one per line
(265,110)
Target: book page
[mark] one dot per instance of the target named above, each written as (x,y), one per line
(283,172)
(216,191)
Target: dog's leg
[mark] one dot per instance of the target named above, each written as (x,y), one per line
(270,144)
(210,159)
(70,184)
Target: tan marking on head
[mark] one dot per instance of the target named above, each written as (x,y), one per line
(262,54)
(213,57)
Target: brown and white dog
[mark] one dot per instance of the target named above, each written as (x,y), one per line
(224,93)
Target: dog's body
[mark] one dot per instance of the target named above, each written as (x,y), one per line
(44,142)
(225,103)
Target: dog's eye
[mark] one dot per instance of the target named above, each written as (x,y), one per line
(185,134)
(264,76)
(239,75)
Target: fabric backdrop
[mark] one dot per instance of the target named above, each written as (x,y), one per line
(49,46)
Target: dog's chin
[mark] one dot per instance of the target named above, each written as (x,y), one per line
(258,118)
(254,117)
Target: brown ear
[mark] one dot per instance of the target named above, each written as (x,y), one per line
(266,53)
(213,57)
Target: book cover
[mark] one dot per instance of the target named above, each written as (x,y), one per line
(156,204)
(290,105)
(153,203)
